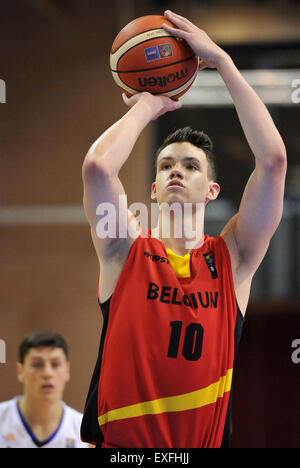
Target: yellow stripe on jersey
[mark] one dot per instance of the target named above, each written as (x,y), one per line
(180,265)
(187,401)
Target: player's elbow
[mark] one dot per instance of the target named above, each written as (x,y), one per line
(94,168)
(279,164)
(276,164)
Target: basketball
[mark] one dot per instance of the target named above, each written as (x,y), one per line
(144,57)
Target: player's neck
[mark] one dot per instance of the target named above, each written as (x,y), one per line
(180,234)
(41,413)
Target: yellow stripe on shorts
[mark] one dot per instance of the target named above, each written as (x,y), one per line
(187,401)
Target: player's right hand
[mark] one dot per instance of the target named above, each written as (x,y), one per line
(159,104)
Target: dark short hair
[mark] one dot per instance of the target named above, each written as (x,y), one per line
(196,138)
(41,338)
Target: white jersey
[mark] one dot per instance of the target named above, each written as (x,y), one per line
(15,432)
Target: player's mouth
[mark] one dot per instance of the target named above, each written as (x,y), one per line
(175,183)
(47,388)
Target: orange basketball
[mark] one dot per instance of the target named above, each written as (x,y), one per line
(144,57)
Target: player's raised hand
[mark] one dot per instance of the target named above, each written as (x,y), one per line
(159,104)
(209,52)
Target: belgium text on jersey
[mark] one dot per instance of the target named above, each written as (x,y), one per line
(2,92)
(178,220)
(2,352)
(169,295)
(151,457)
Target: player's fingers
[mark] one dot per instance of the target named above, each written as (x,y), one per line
(174,31)
(175,104)
(129,101)
(202,65)
(180,21)
(125,98)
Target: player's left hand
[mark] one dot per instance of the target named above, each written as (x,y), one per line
(210,53)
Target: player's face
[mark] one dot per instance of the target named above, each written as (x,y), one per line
(44,373)
(182,176)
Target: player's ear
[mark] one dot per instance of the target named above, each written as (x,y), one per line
(68,371)
(153,191)
(20,373)
(214,190)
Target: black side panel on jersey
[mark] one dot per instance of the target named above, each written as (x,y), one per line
(90,430)
(237,336)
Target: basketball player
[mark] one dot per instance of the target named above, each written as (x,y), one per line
(39,418)
(173,313)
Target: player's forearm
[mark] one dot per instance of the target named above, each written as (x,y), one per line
(111,150)
(259,128)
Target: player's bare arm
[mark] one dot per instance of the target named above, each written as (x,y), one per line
(106,157)
(249,232)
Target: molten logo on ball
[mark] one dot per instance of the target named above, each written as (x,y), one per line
(163,81)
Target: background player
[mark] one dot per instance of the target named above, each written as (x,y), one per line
(39,418)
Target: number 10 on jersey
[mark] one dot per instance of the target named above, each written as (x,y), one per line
(192,344)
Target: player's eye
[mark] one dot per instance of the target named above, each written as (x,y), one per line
(56,364)
(192,167)
(37,365)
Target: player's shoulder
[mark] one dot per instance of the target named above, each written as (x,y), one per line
(72,413)
(72,424)
(8,405)
(212,242)
(8,411)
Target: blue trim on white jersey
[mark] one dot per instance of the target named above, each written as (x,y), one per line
(28,429)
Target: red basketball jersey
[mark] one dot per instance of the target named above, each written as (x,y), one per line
(168,348)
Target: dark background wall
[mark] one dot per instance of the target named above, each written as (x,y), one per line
(60,97)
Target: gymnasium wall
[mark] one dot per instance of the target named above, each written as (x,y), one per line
(60,97)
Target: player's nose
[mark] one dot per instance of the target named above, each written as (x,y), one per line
(47,370)
(176,173)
